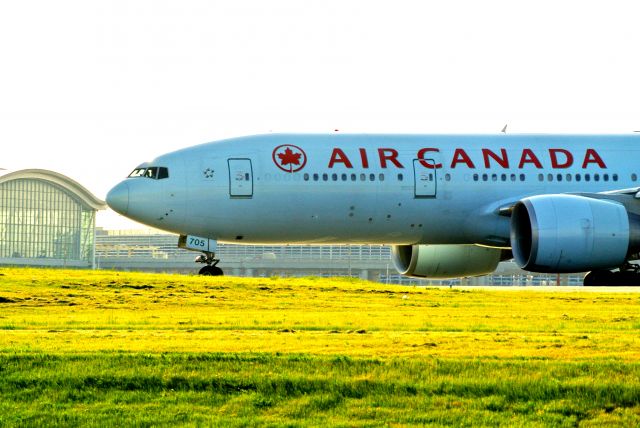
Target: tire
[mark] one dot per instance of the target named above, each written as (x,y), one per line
(587,281)
(598,278)
(627,279)
(211,271)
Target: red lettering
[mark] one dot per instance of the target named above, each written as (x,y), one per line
(363,158)
(560,158)
(591,156)
(460,156)
(529,157)
(391,157)
(503,160)
(424,162)
(339,156)
(568,158)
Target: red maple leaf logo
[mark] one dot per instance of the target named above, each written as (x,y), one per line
(289,158)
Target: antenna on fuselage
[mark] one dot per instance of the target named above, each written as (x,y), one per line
(504,130)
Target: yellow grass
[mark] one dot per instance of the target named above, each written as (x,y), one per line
(57,311)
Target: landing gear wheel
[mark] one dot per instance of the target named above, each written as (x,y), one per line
(211,271)
(600,278)
(627,278)
(627,275)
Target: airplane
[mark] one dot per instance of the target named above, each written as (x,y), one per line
(449,205)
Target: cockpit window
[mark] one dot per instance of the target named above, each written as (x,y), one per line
(163,173)
(153,172)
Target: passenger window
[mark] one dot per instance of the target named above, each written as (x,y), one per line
(306,177)
(381,177)
(494,177)
(569,178)
(475,177)
(522,177)
(578,177)
(353,177)
(513,177)
(559,177)
(334,177)
(540,177)
(504,177)
(315,177)
(634,177)
(344,177)
(614,177)
(605,177)
(400,177)
(325,177)
(363,177)
(372,177)
(596,177)
(485,177)
(587,177)
(549,177)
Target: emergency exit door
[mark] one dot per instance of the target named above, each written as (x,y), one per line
(240,178)
(425,179)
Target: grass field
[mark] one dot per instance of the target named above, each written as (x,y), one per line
(112,348)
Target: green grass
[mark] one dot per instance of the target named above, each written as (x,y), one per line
(124,349)
(248,389)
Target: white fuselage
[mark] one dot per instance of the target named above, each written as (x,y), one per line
(378,189)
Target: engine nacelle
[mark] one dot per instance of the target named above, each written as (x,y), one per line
(445,261)
(570,233)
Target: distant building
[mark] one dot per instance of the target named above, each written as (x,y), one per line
(154,251)
(46,219)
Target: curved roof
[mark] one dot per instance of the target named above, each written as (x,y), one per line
(63,181)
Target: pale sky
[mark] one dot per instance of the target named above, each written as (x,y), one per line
(90,89)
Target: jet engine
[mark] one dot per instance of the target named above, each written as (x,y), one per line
(570,233)
(445,261)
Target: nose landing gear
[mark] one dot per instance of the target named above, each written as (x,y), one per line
(207,247)
(209,259)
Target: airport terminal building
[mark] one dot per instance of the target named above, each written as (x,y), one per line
(46,219)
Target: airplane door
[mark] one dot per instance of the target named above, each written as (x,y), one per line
(240,178)
(425,179)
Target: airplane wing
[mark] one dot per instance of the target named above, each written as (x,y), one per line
(620,195)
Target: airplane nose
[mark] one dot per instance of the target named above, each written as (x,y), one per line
(118,198)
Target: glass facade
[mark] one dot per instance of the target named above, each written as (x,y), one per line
(42,220)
